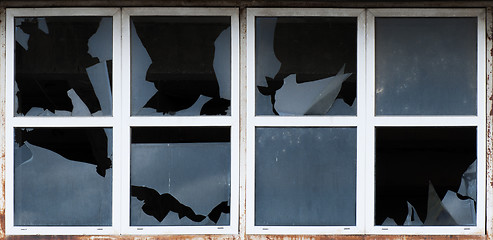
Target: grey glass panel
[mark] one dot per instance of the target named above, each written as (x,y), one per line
(305,65)
(425,176)
(305,177)
(62,176)
(63,66)
(181,65)
(426,66)
(180,176)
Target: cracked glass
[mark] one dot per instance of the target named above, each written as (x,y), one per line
(63,66)
(305,65)
(180,176)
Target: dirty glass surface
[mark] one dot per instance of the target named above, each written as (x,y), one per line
(180,176)
(305,177)
(305,65)
(63,66)
(425,176)
(62,176)
(181,65)
(425,66)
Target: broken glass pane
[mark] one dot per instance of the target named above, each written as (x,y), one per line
(425,176)
(62,176)
(305,177)
(180,176)
(305,65)
(426,66)
(61,66)
(181,65)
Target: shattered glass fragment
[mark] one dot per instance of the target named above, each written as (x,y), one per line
(190,58)
(312,48)
(82,198)
(412,218)
(461,209)
(51,58)
(468,184)
(311,98)
(418,167)
(180,176)
(88,145)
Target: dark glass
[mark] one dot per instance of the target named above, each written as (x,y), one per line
(180,176)
(62,176)
(181,65)
(305,65)
(425,176)
(63,66)
(305,177)
(426,66)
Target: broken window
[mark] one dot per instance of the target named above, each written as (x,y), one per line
(428,121)
(62,176)
(397,146)
(180,176)
(303,123)
(425,176)
(305,65)
(63,66)
(181,65)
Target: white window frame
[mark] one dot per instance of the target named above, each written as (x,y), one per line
(254,121)
(23,121)
(181,121)
(121,122)
(478,121)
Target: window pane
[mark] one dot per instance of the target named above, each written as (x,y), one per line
(180,176)
(62,176)
(63,66)
(425,176)
(305,65)
(181,65)
(426,66)
(305,177)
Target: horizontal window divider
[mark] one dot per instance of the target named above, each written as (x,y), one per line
(426,121)
(172,230)
(177,11)
(296,12)
(181,121)
(428,230)
(430,12)
(42,12)
(319,121)
(63,121)
(57,230)
(297,230)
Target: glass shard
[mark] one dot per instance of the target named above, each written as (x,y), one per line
(305,177)
(425,66)
(180,176)
(418,167)
(184,59)
(55,178)
(55,55)
(313,49)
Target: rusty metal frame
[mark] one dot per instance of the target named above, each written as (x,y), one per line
(243,4)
